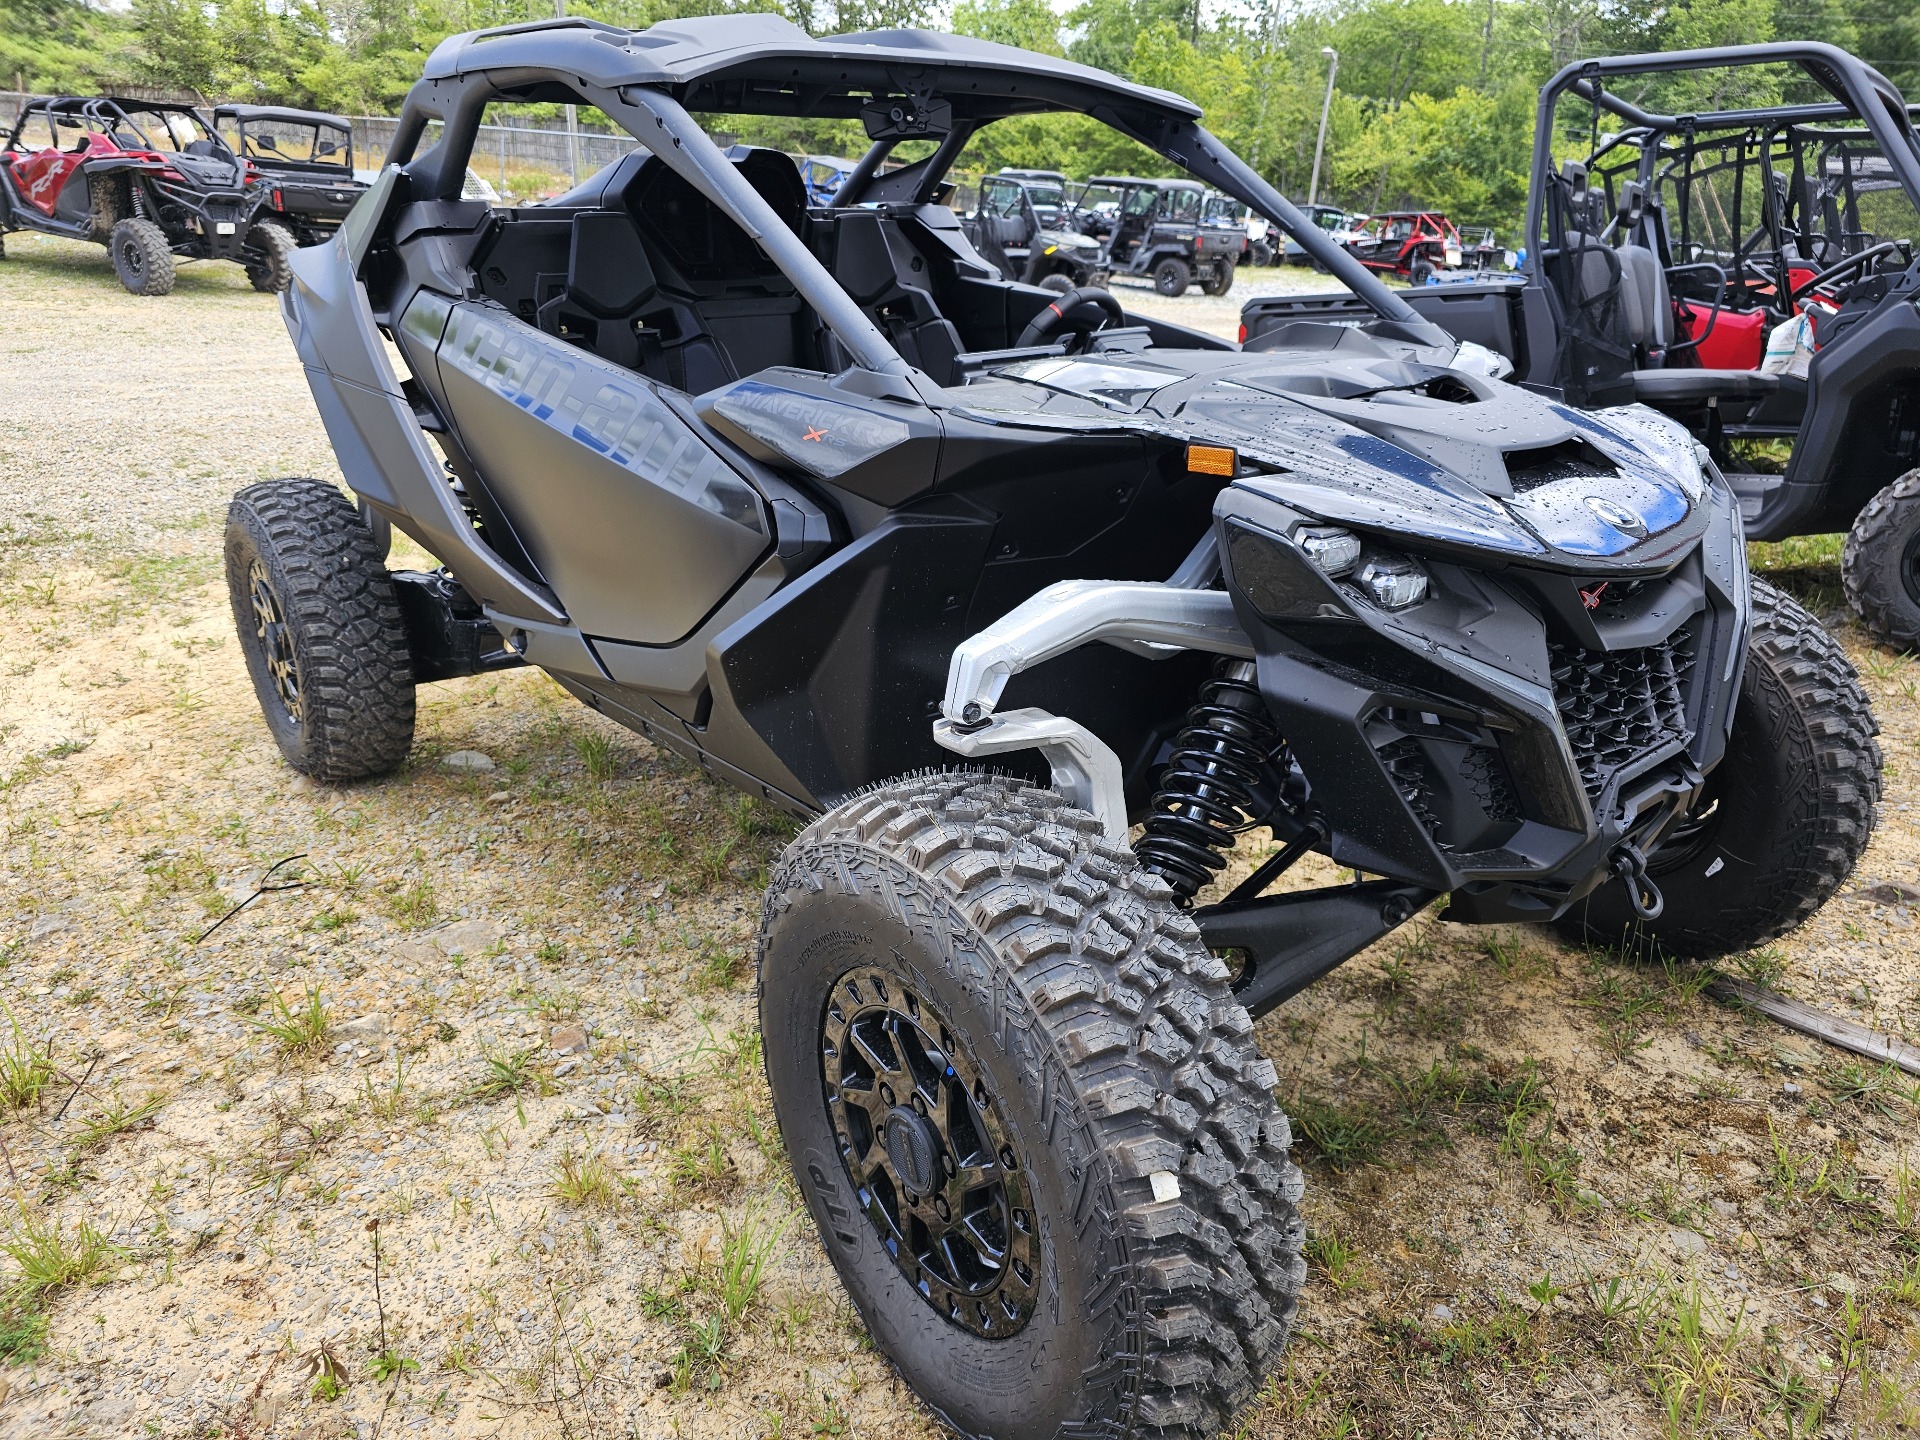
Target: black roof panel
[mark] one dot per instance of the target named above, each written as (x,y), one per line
(765,64)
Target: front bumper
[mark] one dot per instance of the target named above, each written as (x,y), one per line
(1503,739)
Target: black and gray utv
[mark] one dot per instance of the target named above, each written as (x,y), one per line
(1162,230)
(1031,607)
(1024,226)
(1660,264)
(304,161)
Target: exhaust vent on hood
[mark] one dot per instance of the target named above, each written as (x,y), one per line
(1569,460)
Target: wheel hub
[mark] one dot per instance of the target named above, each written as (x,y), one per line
(914,1147)
(276,641)
(927,1154)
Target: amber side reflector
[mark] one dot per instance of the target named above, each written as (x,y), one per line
(1212,460)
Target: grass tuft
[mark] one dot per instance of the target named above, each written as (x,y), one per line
(745,1250)
(26,1067)
(46,1258)
(296,1029)
(587,1181)
(513,1073)
(1340,1138)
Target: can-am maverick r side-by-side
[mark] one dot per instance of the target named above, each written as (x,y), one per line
(1659,265)
(977,577)
(150,181)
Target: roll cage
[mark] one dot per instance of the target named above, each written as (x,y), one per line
(113,117)
(1861,96)
(904,85)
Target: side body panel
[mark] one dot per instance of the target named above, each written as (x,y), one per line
(640,527)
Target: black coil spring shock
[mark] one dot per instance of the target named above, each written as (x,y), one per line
(1207,793)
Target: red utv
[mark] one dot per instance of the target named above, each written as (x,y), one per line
(1412,244)
(150,181)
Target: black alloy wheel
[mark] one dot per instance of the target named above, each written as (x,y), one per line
(276,640)
(1026,1114)
(141,257)
(320,625)
(929,1160)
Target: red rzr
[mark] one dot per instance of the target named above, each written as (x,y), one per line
(1413,244)
(149,181)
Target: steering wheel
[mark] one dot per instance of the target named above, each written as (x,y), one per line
(1073,311)
(1852,265)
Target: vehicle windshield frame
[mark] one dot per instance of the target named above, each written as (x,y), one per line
(321,129)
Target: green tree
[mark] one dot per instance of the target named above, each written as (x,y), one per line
(176,43)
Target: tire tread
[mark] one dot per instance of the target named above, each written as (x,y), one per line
(356,669)
(1217,1270)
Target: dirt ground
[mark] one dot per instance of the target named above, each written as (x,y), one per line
(458,1128)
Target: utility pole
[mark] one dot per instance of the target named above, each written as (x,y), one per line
(1326,108)
(573,116)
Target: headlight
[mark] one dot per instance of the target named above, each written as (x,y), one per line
(1393,582)
(1334,550)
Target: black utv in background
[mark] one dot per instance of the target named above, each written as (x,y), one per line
(1159,229)
(304,158)
(1023,224)
(1660,265)
(1030,607)
(150,181)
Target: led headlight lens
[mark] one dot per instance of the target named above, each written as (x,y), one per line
(1334,550)
(1393,584)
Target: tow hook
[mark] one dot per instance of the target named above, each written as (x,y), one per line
(1631,866)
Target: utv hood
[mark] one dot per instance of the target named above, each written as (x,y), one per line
(1391,440)
(208,172)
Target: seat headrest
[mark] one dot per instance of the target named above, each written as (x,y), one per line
(777,181)
(1633,202)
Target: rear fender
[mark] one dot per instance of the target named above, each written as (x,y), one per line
(383,452)
(1858,432)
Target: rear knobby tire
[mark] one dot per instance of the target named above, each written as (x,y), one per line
(1114,1059)
(1792,806)
(272,246)
(142,258)
(1172,276)
(1880,566)
(325,645)
(1221,280)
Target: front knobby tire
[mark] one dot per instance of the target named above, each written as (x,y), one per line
(1785,815)
(321,629)
(269,266)
(142,258)
(1880,564)
(1118,1144)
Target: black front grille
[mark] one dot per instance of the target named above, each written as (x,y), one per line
(1619,706)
